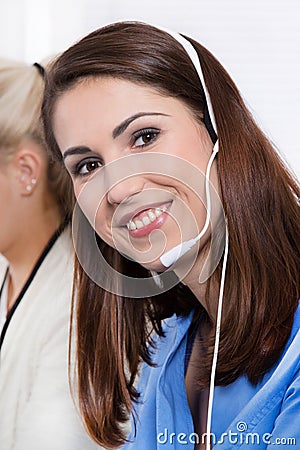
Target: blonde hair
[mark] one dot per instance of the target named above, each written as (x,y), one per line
(21,96)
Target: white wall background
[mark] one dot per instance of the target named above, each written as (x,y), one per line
(258,41)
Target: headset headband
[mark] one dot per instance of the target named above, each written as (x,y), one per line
(208,113)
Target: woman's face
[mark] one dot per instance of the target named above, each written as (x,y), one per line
(137,160)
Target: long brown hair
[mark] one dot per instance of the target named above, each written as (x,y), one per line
(261,202)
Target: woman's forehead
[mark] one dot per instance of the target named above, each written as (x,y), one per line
(109,98)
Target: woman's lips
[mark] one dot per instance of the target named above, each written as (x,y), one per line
(148,220)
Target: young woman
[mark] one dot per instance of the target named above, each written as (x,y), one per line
(154,132)
(36,407)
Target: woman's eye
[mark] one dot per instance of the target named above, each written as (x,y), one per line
(145,137)
(86,167)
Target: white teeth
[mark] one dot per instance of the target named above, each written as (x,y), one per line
(139,224)
(146,220)
(131,225)
(152,215)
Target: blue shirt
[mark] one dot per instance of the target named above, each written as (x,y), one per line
(266,416)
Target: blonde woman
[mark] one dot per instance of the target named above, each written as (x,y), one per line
(36,270)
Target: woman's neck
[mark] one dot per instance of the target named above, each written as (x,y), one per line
(193,279)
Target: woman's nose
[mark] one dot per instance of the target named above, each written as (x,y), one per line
(124,189)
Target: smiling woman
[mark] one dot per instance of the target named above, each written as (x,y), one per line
(157,151)
(149,201)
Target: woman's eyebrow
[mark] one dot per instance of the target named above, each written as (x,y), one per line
(117,131)
(123,125)
(80,150)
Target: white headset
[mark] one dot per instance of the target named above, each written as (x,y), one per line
(172,255)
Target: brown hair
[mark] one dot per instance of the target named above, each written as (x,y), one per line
(21,95)
(261,202)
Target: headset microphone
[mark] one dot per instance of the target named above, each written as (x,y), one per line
(172,255)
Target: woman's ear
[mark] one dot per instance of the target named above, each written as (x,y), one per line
(29,163)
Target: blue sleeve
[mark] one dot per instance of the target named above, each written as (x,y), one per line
(286,431)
